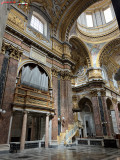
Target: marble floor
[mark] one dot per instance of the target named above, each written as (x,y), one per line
(65,153)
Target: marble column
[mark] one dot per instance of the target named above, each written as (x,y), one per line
(102,114)
(23,134)
(47,131)
(55,119)
(97,120)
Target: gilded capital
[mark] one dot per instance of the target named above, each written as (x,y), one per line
(114,100)
(54,72)
(94,93)
(16,54)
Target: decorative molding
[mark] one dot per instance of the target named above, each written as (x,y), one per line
(94,93)
(114,100)
(16,20)
(102,37)
(94,73)
(75,102)
(38,56)
(38,35)
(64,75)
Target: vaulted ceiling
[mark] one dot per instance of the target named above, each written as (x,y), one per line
(63,13)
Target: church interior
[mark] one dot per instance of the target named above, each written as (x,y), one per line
(71,50)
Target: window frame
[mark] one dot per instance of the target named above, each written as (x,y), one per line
(43,17)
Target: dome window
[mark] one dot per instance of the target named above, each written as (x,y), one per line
(108,15)
(89,20)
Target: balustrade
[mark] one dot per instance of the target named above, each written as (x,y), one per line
(34,98)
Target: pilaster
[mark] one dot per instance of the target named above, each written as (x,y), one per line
(7,85)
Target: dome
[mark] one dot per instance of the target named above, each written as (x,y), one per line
(98,23)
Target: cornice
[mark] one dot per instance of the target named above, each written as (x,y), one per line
(112,90)
(48,51)
(98,38)
(98,84)
(19,10)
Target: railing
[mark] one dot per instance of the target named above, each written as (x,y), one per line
(15,146)
(66,137)
(95,142)
(34,98)
(71,133)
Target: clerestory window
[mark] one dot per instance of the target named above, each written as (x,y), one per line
(37,24)
(89,20)
(108,15)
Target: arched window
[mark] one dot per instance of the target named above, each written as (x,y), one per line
(37,24)
(34,76)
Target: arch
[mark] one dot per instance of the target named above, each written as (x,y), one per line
(109,104)
(87,52)
(85,101)
(24,62)
(70,16)
(107,48)
(112,116)
(80,53)
(86,117)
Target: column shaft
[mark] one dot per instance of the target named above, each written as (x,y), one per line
(97,120)
(23,135)
(47,131)
(102,114)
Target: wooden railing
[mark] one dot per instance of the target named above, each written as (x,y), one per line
(34,98)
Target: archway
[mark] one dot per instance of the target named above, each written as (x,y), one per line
(112,117)
(86,117)
(33,83)
(108,53)
(34,76)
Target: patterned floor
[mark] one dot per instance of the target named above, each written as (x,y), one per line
(69,153)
